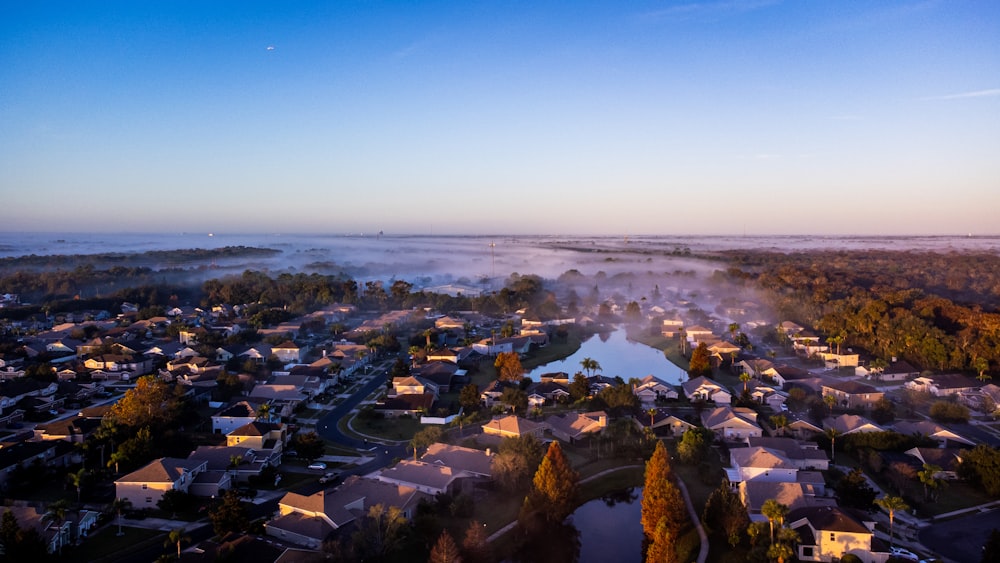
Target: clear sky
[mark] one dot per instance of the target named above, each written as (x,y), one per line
(474,117)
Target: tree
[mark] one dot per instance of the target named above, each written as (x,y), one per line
(579,389)
(8,531)
(175,538)
(745,377)
(468,397)
(380,532)
(661,499)
(508,366)
(590,365)
(725,511)
(309,445)
(445,550)
(981,465)
(780,423)
(662,544)
(264,412)
(119,506)
(774,511)
(146,404)
(733,329)
(652,416)
(700,363)
(556,487)
(991,551)
(854,491)
(476,545)
(424,438)
(693,445)
(892,505)
(832,434)
(76,480)
(229,514)
(981,365)
(516,462)
(514,398)
(946,411)
(929,478)
(783,549)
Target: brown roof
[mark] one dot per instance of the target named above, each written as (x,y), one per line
(163,470)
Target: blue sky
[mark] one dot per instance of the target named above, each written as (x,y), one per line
(763,117)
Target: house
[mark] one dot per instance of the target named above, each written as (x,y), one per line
(760,464)
(704,389)
(948,459)
(511,426)
(473,462)
(827,533)
(55,534)
(723,351)
(851,424)
(801,428)
(573,427)
(547,391)
(764,394)
(428,478)
(28,456)
(805,456)
(267,436)
(307,520)
(652,389)
(665,420)
(789,328)
(75,429)
(440,373)
(410,404)
(897,370)
(943,436)
(852,394)
(238,463)
(493,391)
(288,352)
(234,416)
(943,385)
(411,385)
(836,360)
(731,424)
(793,495)
(145,487)
(259,353)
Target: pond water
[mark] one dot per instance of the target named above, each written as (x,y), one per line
(611,528)
(617,356)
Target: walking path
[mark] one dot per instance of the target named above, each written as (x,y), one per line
(695,519)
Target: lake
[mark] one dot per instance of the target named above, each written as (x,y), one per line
(611,528)
(617,356)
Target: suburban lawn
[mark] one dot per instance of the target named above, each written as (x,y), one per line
(106,545)
(388,428)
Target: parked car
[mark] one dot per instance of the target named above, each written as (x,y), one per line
(328,477)
(318,465)
(903,553)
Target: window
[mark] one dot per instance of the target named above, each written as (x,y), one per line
(833,536)
(145,486)
(807,551)
(149,499)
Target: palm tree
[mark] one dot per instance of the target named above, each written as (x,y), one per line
(891,505)
(832,434)
(780,423)
(929,477)
(878,366)
(54,516)
(745,378)
(652,415)
(116,458)
(76,480)
(981,365)
(733,328)
(830,401)
(120,505)
(264,412)
(774,511)
(590,365)
(176,537)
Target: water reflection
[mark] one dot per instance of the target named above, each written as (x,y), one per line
(617,356)
(611,528)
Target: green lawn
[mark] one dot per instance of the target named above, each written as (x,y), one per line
(106,545)
(388,428)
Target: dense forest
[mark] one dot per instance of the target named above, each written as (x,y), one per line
(936,310)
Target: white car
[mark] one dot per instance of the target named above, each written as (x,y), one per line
(903,553)
(318,465)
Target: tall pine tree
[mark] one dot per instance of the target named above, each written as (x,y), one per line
(556,487)
(660,497)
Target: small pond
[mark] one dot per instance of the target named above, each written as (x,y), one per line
(611,528)
(617,356)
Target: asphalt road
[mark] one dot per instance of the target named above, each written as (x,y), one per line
(962,539)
